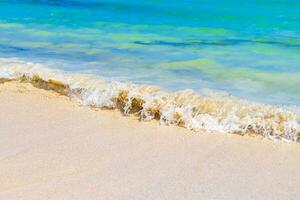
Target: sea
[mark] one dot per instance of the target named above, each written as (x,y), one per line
(227,66)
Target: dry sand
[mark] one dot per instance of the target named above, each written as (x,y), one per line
(52,148)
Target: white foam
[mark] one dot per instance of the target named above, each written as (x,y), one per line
(211,114)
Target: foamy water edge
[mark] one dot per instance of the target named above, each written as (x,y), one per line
(184,108)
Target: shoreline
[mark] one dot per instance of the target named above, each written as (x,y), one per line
(53,148)
(215,114)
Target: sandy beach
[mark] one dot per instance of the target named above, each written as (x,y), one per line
(53,148)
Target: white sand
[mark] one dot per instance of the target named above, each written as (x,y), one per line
(52,148)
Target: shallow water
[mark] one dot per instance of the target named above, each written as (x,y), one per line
(218,113)
(249,49)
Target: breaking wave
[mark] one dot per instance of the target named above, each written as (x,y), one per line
(184,108)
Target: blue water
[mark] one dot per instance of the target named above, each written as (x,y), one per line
(249,49)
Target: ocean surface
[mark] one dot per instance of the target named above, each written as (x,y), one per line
(249,50)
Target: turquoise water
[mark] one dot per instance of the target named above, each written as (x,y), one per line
(249,49)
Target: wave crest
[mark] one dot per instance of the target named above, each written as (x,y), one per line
(183,108)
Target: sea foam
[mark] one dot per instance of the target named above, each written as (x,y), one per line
(217,114)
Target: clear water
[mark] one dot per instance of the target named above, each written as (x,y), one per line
(249,49)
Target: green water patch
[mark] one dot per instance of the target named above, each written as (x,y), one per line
(146,27)
(4,25)
(269,80)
